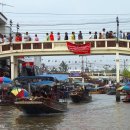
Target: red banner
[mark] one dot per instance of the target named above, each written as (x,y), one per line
(79,49)
(25,64)
(21,57)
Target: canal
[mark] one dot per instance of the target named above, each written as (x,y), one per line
(103,113)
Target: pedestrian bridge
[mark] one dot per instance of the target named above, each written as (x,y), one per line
(98,46)
(45,48)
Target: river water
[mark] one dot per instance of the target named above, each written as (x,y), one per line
(103,113)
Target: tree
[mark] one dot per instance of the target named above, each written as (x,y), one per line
(54,70)
(126,73)
(63,67)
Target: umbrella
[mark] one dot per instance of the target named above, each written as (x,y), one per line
(15,91)
(5,80)
(23,93)
(20,92)
(126,87)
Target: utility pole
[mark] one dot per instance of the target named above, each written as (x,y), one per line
(117,54)
(117,21)
(11,23)
(124,64)
(17,27)
(82,70)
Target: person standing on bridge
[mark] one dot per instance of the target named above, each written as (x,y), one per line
(103,33)
(80,36)
(66,36)
(72,37)
(47,38)
(58,36)
(51,36)
(36,38)
(27,37)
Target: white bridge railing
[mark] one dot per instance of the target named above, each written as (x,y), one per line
(98,46)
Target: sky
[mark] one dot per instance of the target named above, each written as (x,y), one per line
(51,9)
(67,16)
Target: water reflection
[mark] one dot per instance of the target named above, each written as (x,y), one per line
(39,122)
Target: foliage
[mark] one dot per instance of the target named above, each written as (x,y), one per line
(63,67)
(54,70)
(126,73)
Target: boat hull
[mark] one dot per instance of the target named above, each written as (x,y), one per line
(37,107)
(78,98)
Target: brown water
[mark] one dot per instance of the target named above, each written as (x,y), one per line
(103,113)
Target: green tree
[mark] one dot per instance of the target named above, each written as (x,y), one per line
(126,73)
(63,67)
(54,70)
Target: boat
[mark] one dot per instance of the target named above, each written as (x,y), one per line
(80,95)
(45,97)
(98,90)
(41,106)
(126,101)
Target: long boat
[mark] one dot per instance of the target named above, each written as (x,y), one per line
(80,96)
(41,106)
(43,100)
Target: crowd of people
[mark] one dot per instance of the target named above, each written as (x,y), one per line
(73,36)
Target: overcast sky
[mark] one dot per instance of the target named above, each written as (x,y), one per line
(108,10)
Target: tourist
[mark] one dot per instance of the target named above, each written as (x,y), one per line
(36,38)
(103,33)
(51,36)
(80,36)
(100,36)
(58,36)
(95,35)
(107,35)
(128,35)
(5,39)
(27,37)
(47,37)
(121,35)
(72,37)
(18,37)
(66,36)
(90,35)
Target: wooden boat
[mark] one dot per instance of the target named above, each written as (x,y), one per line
(125,100)
(80,96)
(41,106)
(44,98)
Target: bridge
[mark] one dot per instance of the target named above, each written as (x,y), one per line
(45,48)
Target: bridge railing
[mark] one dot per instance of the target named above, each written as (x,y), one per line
(56,45)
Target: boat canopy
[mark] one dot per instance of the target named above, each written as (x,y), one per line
(59,77)
(44,83)
(42,77)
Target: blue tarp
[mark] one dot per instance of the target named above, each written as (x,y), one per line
(60,77)
(49,83)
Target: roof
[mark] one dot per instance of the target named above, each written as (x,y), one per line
(52,77)
(45,77)
(3,19)
(60,77)
(44,83)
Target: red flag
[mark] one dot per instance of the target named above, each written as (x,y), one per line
(79,49)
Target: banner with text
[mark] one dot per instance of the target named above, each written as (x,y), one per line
(79,48)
